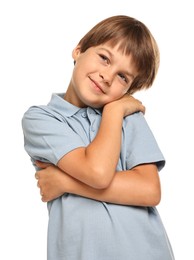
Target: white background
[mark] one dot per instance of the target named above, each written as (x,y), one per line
(36,40)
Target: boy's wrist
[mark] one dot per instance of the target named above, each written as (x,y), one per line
(114,109)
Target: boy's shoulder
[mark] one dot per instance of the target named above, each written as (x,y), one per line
(57,107)
(135,118)
(38,111)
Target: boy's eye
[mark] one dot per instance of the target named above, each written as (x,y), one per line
(123,77)
(104,58)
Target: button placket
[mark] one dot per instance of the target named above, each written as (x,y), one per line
(93,126)
(92,119)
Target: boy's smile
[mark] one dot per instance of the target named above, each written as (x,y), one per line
(101,74)
(97,87)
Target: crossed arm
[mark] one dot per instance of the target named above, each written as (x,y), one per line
(139,186)
(90,171)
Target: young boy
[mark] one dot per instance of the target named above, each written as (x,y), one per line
(99,160)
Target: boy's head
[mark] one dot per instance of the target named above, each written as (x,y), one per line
(134,39)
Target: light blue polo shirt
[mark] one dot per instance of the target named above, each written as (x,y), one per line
(85,229)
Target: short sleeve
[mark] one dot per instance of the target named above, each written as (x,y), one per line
(139,143)
(47,135)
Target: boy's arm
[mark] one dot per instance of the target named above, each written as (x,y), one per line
(95,164)
(139,186)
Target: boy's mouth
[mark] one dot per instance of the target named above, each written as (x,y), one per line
(97,86)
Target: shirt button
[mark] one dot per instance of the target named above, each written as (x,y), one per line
(84,114)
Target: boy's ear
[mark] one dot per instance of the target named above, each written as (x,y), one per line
(76,52)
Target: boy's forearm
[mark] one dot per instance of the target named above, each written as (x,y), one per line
(103,152)
(133,187)
(137,192)
(98,161)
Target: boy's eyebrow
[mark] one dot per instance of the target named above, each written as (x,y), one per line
(104,49)
(111,55)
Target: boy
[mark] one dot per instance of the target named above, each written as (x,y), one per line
(99,159)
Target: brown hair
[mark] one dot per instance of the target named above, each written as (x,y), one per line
(134,39)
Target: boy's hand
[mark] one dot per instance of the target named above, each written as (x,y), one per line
(127,105)
(50,180)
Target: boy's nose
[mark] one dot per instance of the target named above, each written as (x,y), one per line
(107,77)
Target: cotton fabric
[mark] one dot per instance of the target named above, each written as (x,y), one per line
(85,229)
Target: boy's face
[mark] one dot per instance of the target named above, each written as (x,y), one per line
(101,75)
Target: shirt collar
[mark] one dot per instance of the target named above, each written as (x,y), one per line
(58,103)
